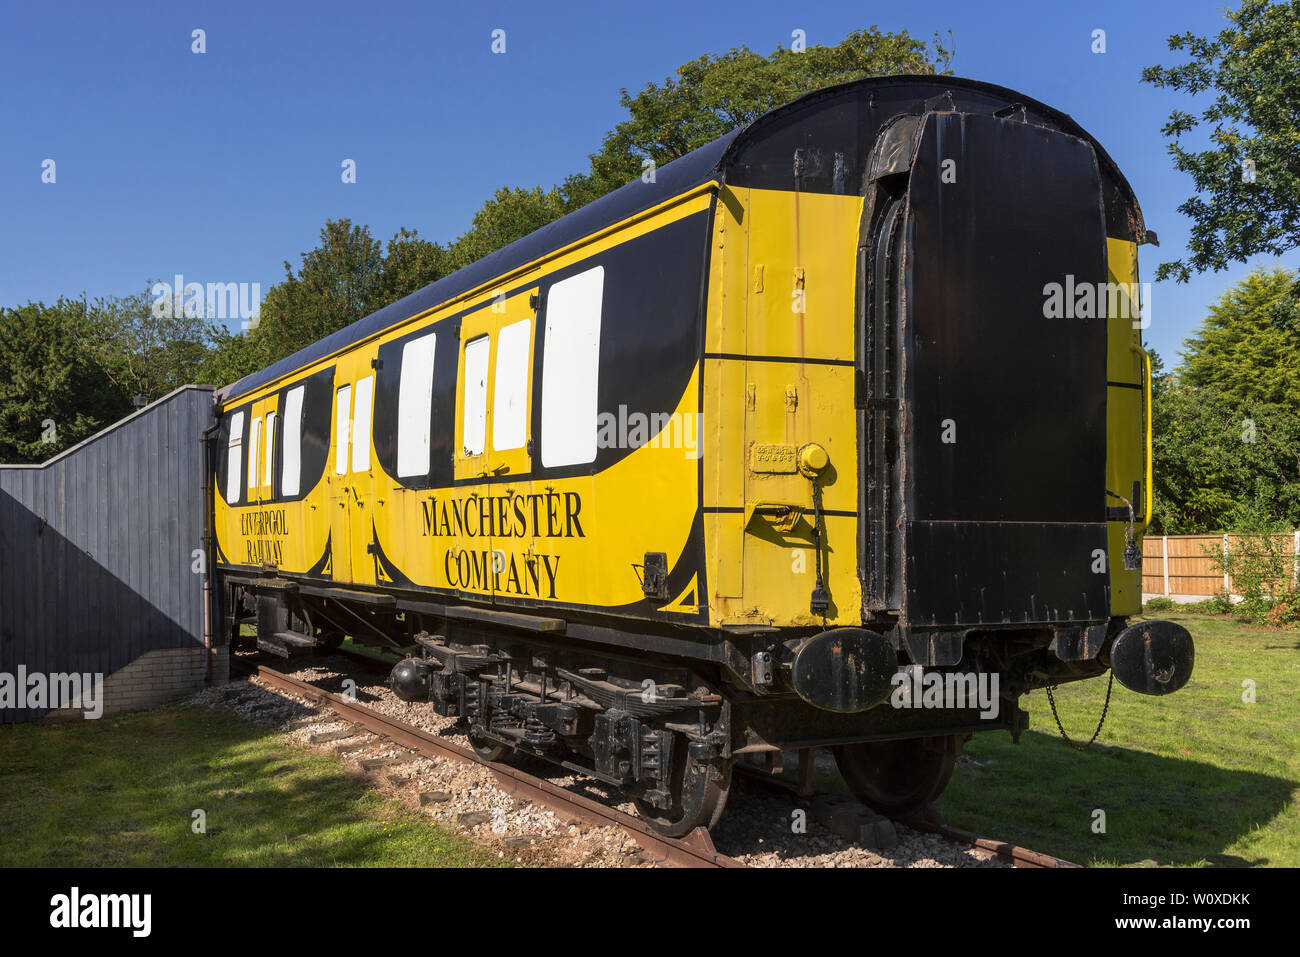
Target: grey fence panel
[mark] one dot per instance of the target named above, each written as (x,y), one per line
(96,546)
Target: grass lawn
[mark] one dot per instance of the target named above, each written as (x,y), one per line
(1198,777)
(121,791)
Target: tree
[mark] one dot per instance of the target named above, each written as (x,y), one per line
(54,392)
(231,357)
(339,282)
(713,95)
(1227,424)
(1248,347)
(1247,181)
(1220,464)
(411,263)
(143,350)
(510,214)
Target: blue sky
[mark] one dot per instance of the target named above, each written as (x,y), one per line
(222,166)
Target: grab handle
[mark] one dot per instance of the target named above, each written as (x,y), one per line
(1149,469)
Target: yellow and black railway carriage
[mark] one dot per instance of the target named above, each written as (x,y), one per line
(698,470)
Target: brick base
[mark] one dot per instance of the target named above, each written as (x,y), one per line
(155,678)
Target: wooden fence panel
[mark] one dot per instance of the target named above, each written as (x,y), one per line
(1184,564)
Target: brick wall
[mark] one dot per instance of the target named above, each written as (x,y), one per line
(157,677)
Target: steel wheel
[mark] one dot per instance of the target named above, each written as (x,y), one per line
(897,777)
(699,791)
(487,749)
(328,639)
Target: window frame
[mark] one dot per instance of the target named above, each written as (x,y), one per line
(415,385)
(342,427)
(254,447)
(292,424)
(488,322)
(363,398)
(268,453)
(235,458)
(568,303)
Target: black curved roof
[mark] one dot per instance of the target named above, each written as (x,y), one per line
(694,169)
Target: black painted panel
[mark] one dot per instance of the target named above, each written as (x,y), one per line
(1023,395)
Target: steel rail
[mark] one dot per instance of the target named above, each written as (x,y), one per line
(1013,853)
(696,850)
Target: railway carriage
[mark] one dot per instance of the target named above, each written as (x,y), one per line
(698,470)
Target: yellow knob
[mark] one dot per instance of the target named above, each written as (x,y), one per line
(813,458)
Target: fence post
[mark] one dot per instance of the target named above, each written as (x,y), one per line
(1295,560)
(1164,556)
(1227,586)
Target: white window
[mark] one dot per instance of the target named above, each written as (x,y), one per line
(361,424)
(474,427)
(342,428)
(291,447)
(414,406)
(254,443)
(572,369)
(269,457)
(510,392)
(234,457)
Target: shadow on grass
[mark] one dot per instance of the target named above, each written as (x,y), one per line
(124,793)
(1158,809)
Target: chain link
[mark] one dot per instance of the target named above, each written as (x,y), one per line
(1104,708)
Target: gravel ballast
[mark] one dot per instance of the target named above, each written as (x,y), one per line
(760,828)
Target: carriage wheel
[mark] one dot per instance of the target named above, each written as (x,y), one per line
(328,639)
(898,777)
(699,790)
(487,749)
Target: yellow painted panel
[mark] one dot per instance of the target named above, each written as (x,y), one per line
(1125,411)
(806,244)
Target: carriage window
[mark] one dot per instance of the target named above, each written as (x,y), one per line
(254,443)
(234,458)
(291,450)
(269,456)
(572,368)
(474,427)
(361,424)
(510,393)
(414,405)
(342,428)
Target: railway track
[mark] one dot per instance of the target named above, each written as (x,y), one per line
(1011,853)
(696,850)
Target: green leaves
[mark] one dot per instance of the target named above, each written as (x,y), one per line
(1227,426)
(1247,183)
(1248,348)
(714,94)
(54,387)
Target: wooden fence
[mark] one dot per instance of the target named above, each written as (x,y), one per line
(1179,565)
